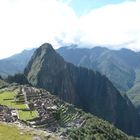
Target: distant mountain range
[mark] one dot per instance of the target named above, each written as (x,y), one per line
(82,87)
(115,64)
(16,63)
(122,67)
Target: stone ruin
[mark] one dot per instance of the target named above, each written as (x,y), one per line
(7,114)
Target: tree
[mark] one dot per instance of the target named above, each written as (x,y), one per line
(17,78)
(1,77)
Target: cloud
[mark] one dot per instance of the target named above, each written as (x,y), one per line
(110,25)
(29,23)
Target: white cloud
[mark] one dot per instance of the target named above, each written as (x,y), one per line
(29,23)
(110,25)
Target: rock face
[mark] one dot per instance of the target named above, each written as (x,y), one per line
(82,87)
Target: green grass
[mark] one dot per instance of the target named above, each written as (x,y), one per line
(8,132)
(7,98)
(27,115)
(11,132)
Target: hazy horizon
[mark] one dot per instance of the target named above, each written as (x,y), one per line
(28,49)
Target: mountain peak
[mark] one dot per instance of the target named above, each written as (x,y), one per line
(46,46)
(45,50)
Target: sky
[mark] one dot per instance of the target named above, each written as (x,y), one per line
(83,6)
(26,24)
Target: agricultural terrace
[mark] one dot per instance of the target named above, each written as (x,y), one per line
(9,98)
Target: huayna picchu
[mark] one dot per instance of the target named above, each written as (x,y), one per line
(82,87)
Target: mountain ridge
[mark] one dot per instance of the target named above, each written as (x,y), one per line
(113,63)
(15,63)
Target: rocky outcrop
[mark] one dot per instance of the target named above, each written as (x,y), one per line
(7,114)
(82,87)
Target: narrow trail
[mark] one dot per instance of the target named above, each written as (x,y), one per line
(25,97)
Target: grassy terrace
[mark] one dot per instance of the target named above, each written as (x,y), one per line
(8,132)
(7,98)
(11,132)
